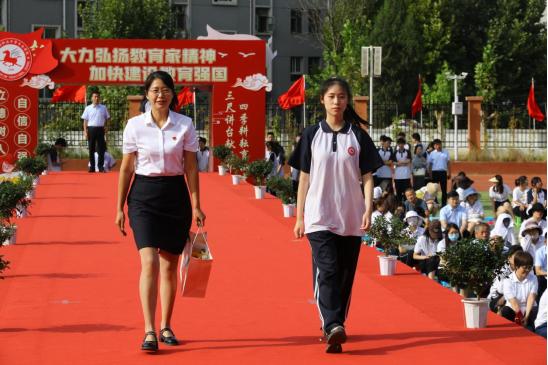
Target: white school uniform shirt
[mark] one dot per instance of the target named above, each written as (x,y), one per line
(500,197)
(336,162)
(529,246)
(497,287)
(419,232)
(439,160)
(506,233)
(541,315)
(474,212)
(385,171)
(203,159)
(520,196)
(426,246)
(96,115)
(513,288)
(159,151)
(402,172)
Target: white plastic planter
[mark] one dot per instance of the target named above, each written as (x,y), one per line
(21,211)
(387,265)
(289,210)
(222,170)
(475,312)
(259,192)
(45,172)
(12,239)
(30,194)
(36,181)
(235,179)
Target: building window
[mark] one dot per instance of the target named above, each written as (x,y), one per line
(50,31)
(263,23)
(296,68)
(225,2)
(314,20)
(179,17)
(313,65)
(80,4)
(296,21)
(4,14)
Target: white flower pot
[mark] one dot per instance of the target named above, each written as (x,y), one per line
(289,209)
(20,211)
(387,265)
(45,172)
(30,194)
(259,192)
(475,312)
(12,239)
(222,170)
(235,179)
(35,181)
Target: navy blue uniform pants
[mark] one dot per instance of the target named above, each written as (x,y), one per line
(334,261)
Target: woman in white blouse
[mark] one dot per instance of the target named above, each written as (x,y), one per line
(499,192)
(159,149)
(519,198)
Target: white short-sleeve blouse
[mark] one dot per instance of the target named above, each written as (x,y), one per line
(159,150)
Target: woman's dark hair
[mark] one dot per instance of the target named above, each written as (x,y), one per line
(349,114)
(446,233)
(514,249)
(416,136)
(523,258)
(61,142)
(536,180)
(418,146)
(390,203)
(521,180)
(166,79)
(499,187)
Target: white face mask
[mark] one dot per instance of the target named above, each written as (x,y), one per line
(413,221)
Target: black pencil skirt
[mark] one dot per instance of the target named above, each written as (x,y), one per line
(160,212)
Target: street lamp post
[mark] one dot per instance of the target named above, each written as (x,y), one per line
(456,107)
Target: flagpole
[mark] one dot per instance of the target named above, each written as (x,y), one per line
(304,102)
(194,103)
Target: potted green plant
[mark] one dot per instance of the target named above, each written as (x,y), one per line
(4,264)
(12,198)
(259,170)
(283,188)
(33,166)
(44,150)
(389,235)
(222,152)
(237,167)
(473,264)
(25,183)
(8,234)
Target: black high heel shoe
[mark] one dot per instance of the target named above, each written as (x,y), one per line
(169,340)
(150,345)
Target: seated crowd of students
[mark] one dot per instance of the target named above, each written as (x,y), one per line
(518,294)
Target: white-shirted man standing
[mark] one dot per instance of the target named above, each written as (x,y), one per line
(96,119)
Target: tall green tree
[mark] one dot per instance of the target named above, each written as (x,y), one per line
(515,51)
(395,30)
(128,19)
(134,19)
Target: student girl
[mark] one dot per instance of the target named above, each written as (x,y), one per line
(426,248)
(498,192)
(519,198)
(419,167)
(333,156)
(159,150)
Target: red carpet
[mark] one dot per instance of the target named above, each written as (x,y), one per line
(71,296)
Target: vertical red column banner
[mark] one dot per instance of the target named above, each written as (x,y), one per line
(18,122)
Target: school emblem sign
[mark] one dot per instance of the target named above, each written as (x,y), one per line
(15,59)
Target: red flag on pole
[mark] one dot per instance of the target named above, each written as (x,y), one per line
(416,107)
(293,96)
(532,106)
(71,94)
(185,97)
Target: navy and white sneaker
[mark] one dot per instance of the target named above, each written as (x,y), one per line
(335,338)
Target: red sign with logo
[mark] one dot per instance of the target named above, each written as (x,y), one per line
(234,69)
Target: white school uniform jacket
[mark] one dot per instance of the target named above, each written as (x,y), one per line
(385,171)
(402,172)
(336,162)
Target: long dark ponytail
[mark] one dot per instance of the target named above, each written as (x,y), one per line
(349,113)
